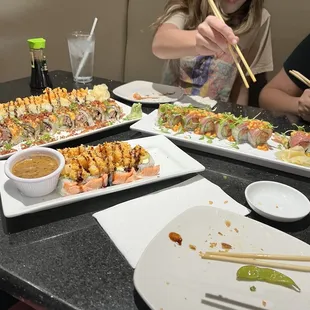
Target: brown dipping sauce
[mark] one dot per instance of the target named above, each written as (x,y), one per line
(175,238)
(36,166)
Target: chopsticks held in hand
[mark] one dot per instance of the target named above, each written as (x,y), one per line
(218,15)
(253,259)
(300,77)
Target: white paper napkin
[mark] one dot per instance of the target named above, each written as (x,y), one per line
(133,224)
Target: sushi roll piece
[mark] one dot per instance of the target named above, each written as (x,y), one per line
(83,118)
(49,123)
(16,131)
(12,109)
(191,121)
(223,126)
(43,102)
(65,119)
(97,110)
(5,135)
(207,124)
(53,98)
(300,138)
(31,125)
(31,105)
(240,131)
(113,111)
(259,132)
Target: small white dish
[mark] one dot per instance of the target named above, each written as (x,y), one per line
(40,186)
(151,93)
(277,202)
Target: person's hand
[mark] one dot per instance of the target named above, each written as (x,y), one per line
(213,37)
(304,105)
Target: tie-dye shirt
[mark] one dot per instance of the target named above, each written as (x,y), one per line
(213,77)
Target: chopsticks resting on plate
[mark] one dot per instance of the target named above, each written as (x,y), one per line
(253,259)
(218,15)
(300,77)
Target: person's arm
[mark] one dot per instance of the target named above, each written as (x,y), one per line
(210,38)
(170,42)
(281,94)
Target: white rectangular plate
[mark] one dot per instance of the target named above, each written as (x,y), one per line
(169,276)
(145,88)
(126,110)
(172,160)
(157,210)
(224,148)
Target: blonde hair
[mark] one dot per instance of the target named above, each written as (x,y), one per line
(242,21)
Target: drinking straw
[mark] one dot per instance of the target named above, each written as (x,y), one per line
(82,63)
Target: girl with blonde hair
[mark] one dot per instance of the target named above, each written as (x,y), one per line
(195,44)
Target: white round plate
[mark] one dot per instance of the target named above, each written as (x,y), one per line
(157,93)
(277,202)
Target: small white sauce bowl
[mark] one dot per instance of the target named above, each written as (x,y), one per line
(40,186)
(277,201)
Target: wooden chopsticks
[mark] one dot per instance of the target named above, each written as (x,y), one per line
(253,259)
(300,77)
(218,15)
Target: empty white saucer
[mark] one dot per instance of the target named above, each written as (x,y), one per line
(277,201)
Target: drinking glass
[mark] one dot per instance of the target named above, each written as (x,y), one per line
(81,52)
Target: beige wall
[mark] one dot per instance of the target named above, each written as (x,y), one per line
(290,24)
(53,19)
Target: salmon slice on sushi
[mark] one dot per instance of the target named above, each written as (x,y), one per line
(300,138)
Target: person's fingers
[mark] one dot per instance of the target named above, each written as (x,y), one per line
(222,28)
(213,36)
(206,47)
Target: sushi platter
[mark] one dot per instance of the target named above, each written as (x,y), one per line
(249,140)
(103,169)
(59,116)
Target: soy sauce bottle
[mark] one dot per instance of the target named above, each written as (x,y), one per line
(39,72)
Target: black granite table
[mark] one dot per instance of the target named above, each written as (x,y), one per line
(62,259)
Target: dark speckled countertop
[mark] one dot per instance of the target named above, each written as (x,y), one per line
(62,259)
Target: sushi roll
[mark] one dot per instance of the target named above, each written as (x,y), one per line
(223,125)
(113,112)
(191,121)
(5,135)
(43,102)
(83,118)
(31,105)
(240,131)
(31,125)
(16,131)
(65,119)
(259,132)
(53,99)
(97,110)
(207,124)
(49,123)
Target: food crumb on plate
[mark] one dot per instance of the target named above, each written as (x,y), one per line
(236,230)
(253,288)
(277,207)
(264,303)
(168,283)
(210,202)
(213,245)
(228,223)
(226,246)
(225,202)
(192,247)
(220,233)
